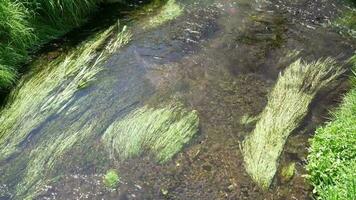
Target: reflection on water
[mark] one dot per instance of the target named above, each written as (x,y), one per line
(219,57)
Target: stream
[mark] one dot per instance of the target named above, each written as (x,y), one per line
(216,58)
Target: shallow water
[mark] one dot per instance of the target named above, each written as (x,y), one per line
(220,58)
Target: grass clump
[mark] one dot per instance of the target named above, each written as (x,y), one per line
(332,158)
(287,105)
(287,172)
(162,132)
(111,179)
(50,91)
(26,24)
(169,11)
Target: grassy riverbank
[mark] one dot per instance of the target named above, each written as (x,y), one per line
(26,24)
(332,159)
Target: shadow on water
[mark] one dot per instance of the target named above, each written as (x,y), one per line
(220,58)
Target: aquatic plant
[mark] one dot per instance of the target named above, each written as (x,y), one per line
(287,106)
(51,91)
(167,12)
(346,24)
(247,119)
(332,154)
(288,171)
(123,37)
(161,131)
(111,179)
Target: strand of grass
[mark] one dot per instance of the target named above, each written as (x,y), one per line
(287,105)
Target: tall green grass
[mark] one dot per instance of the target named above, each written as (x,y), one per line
(26,24)
(332,158)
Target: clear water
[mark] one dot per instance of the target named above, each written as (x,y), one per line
(221,58)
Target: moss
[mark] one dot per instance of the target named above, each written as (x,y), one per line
(162,132)
(111,179)
(332,155)
(287,172)
(287,105)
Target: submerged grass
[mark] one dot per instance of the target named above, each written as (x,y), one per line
(26,24)
(111,179)
(346,24)
(287,105)
(169,11)
(49,92)
(162,132)
(332,158)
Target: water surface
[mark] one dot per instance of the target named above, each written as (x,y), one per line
(220,58)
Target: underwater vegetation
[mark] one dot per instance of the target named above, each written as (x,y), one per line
(26,24)
(287,105)
(346,24)
(51,91)
(332,155)
(46,91)
(111,179)
(162,132)
(288,171)
(169,11)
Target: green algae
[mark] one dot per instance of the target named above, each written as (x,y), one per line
(111,179)
(162,132)
(287,106)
